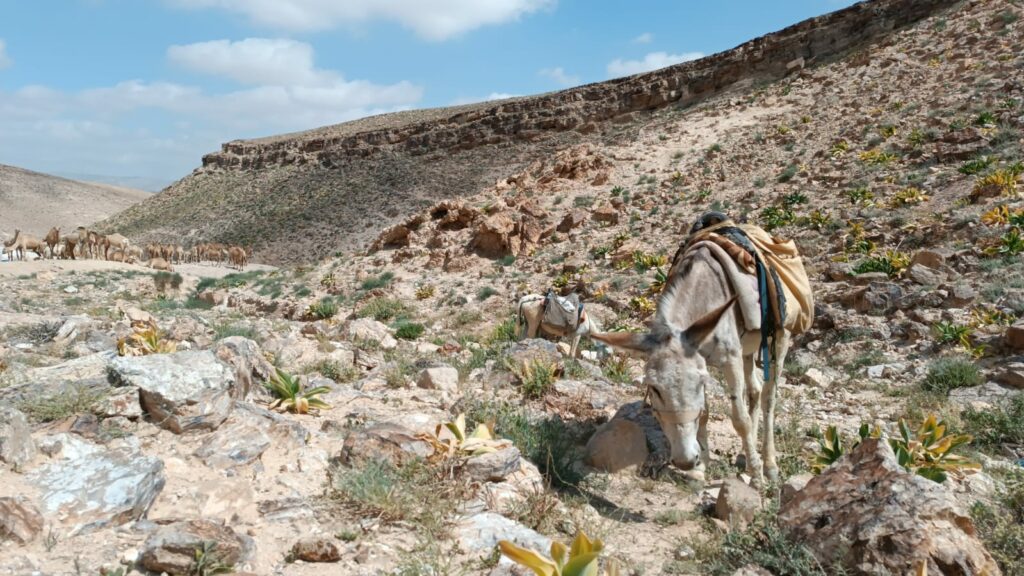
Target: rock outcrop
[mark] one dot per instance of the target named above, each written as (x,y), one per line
(870,514)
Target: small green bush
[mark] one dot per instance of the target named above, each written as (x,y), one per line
(992,428)
(946,374)
(225,330)
(485,293)
(324,309)
(788,173)
(1001,526)
(407,330)
(374,282)
(383,309)
(163,280)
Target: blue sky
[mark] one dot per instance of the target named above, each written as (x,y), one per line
(136,91)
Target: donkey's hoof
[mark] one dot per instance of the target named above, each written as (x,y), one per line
(772,474)
(741,461)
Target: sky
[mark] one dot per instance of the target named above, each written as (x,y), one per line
(134,92)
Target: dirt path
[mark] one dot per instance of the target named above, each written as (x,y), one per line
(14,269)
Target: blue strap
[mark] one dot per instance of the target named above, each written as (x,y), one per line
(762,288)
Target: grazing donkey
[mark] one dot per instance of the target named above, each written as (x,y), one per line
(537,313)
(700,321)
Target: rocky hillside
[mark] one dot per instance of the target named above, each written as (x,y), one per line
(34,202)
(299,197)
(146,426)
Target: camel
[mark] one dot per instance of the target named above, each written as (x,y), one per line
(115,241)
(69,247)
(237,256)
(160,264)
(530,321)
(134,254)
(24,242)
(9,247)
(83,242)
(52,239)
(697,324)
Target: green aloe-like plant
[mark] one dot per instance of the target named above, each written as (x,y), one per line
(928,452)
(579,559)
(292,395)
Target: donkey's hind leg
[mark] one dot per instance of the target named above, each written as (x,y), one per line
(771,467)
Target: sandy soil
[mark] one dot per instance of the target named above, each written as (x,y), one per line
(61,266)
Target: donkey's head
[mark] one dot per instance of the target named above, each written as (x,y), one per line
(675,376)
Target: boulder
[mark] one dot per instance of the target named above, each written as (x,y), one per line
(632,437)
(316,549)
(252,370)
(871,515)
(1012,375)
(924,275)
(181,392)
(531,349)
(388,442)
(479,534)
(444,378)
(792,486)
(737,503)
(877,298)
(20,520)
(172,548)
(1015,335)
(616,445)
(959,295)
(368,329)
(16,444)
(607,214)
(983,397)
(494,466)
(89,486)
(246,434)
(573,219)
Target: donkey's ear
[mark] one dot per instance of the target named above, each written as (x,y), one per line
(705,325)
(639,344)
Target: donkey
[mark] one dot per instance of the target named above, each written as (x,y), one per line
(530,322)
(698,324)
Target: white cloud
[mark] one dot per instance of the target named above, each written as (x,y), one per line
(652,61)
(256,61)
(161,129)
(431,19)
(645,38)
(560,77)
(5,60)
(488,98)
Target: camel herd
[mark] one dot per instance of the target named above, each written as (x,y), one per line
(84,243)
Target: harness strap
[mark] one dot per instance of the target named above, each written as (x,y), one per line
(677,416)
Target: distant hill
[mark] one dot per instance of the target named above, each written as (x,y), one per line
(34,202)
(303,196)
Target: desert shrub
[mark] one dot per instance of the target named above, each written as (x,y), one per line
(77,399)
(425,291)
(976,166)
(193,303)
(407,330)
(323,309)
(163,280)
(891,262)
(335,371)
(554,445)
(992,428)
(535,376)
(223,330)
(374,282)
(763,543)
(787,174)
(485,293)
(946,374)
(774,217)
(382,309)
(1001,526)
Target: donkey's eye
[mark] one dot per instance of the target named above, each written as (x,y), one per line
(656,393)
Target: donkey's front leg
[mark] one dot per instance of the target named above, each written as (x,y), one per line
(741,421)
